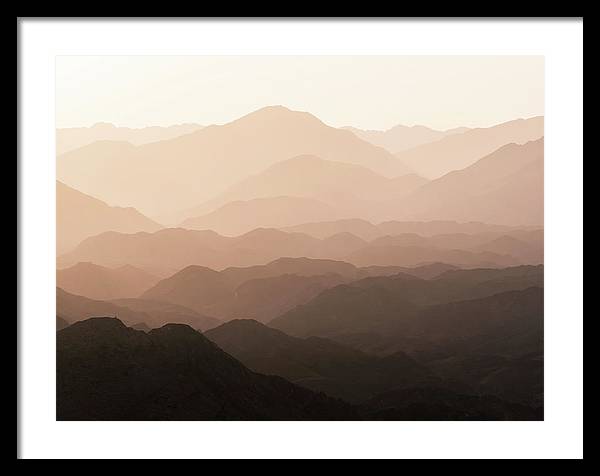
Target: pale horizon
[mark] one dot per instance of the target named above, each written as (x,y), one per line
(176,124)
(439,92)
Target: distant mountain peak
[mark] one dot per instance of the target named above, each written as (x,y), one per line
(172,329)
(274,108)
(264,232)
(345,235)
(458,151)
(246,325)
(99,324)
(193,268)
(277,112)
(80,216)
(222,155)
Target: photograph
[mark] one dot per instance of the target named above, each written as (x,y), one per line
(298,252)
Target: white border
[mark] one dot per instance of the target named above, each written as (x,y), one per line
(559,436)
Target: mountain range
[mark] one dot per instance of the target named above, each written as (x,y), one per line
(260,292)
(481,328)
(107,371)
(455,152)
(386,305)
(73,308)
(169,250)
(219,156)
(288,190)
(277,268)
(400,138)
(504,187)
(70,138)
(98,282)
(239,217)
(344,190)
(319,364)
(263,292)
(341,371)
(368,231)
(79,216)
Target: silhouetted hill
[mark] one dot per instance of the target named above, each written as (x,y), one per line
(384,304)
(131,311)
(438,227)
(168,251)
(106,371)
(266,298)
(508,324)
(520,249)
(297,266)
(220,155)
(70,138)
(160,313)
(400,138)
(347,189)
(259,292)
(79,216)
(427,271)
(393,255)
(194,287)
(238,217)
(505,187)
(98,282)
(493,249)
(484,330)
(442,228)
(340,245)
(318,364)
(462,150)
(321,230)
(266,291)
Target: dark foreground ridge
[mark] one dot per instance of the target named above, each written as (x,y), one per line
(107,371)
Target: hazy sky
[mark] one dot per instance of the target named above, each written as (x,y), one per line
(371,92)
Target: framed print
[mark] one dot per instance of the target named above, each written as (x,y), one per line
(313,239)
